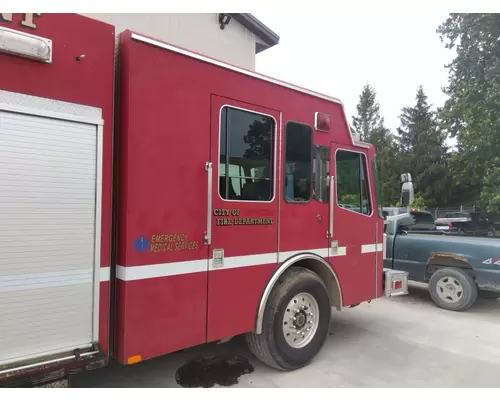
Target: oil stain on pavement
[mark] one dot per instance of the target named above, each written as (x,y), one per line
(208,372)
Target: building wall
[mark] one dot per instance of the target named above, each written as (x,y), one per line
(197,32)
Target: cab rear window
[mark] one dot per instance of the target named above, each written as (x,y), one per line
(422,218)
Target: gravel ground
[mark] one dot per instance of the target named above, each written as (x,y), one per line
(399,342)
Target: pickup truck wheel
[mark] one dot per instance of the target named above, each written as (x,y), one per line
(296,321)
(452,289)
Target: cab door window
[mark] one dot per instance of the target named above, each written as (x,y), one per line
(353,191)
(246,160)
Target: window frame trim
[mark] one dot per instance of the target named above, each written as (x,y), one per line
(369,183)
(328,147)
(380,206)
(284,162)
(275,134)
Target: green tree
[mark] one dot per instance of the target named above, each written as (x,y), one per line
(369,125)
(419,202)
(422,151)
(472,112)
(368,117)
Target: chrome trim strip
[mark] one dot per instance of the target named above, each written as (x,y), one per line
(208,235)
(157,43)
(97,235)
(332,192)
(153,42)
(209,60)
(282,268)
(278,180)
(43,363)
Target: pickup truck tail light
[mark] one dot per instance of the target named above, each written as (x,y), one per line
(395,282)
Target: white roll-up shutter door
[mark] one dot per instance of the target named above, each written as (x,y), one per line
(48,194)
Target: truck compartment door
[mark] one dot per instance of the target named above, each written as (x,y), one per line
(50,196)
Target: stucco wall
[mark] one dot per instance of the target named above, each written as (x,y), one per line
(197,32)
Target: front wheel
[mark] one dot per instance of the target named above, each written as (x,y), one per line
(452,289)
(296,321)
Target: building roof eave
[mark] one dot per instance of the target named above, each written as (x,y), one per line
(268,37)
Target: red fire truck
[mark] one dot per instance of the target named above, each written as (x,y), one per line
(153,199)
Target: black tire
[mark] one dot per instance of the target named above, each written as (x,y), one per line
(468,296)
(486,294)
(271,346)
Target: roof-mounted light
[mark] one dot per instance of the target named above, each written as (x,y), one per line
(25,45)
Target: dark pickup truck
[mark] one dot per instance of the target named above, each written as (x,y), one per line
(457,268)
(466,223)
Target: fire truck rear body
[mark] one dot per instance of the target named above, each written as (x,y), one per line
(55,195)
(224,180)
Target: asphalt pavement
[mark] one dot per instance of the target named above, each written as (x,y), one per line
(391,342)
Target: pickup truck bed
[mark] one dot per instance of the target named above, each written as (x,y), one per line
(457,268)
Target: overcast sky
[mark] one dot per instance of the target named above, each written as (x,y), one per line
(337,53)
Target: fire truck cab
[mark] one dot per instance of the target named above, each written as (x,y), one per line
(154,199)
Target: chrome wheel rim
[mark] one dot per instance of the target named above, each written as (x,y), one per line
(301,320)
(449,289)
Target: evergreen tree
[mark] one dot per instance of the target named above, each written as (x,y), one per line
(422,151)
(369,125)
(368,117)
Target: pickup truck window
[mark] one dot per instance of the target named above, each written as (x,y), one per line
(352,182)
(422,221)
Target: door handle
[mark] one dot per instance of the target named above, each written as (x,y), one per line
(330,226)
(208,233)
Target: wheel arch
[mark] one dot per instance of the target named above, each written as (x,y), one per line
(445,260)
(313,263)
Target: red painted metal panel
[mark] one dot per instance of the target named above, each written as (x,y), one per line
(304,226)
(88,82)
(169,124)
(233,295)
(160,315)
(162,202)
(104,317)
(351,229)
